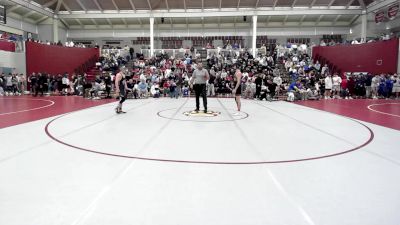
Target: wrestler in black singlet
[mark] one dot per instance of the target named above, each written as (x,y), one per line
(122,94)
(239,89)
(122,91)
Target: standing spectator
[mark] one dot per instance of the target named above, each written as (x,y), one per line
(14,81)
(325,70)
(21,83)
(72,84)
(359,89)
(9,84)
(396,85)
(59,84)
(32,80)
(328,86)
(258,82)
(374,86)
(42,84)
(344,91)
(65,84)
(389,87)
(336,81)
(351,84)
(1,85)
(368,87)
(50,86)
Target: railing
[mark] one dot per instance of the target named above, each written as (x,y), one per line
(120,52)
(11,45)
(179,53)
(286,51)
(176,53)
(86,66)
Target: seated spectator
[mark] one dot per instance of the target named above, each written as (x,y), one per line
(173,93)
(278,81)
(165,87)
(96,89)
(313,94)
(185,90)
(133,88)
(294,91)
(78,84)
(155,90)
(142,89)
(250,89)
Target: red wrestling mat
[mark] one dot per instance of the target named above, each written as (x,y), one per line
(381,112)
(22,109)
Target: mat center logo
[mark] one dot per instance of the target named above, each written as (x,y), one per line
(201,113)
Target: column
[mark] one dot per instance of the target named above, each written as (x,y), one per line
(398,59)
(254,36)
(364,24)
(151,36)
(55,30)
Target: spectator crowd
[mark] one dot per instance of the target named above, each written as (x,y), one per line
(284,72)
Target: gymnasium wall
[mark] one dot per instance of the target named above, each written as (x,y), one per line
(121,34)
(56,59)
(373,29)
(18,26)
(45,32)
(378,57)
(12,62)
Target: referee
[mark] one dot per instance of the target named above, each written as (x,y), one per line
(199,78)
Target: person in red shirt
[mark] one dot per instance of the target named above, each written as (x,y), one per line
(166,88)
(343,85)
(344,92)
(351,83)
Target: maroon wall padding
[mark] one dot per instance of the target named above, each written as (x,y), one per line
(362,57)
(7,46)
(55,59)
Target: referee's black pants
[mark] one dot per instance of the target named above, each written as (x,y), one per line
(258,91)
(200,89)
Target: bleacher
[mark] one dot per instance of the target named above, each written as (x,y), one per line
(171,42)
(335,38)
(269,43)
(141,41)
